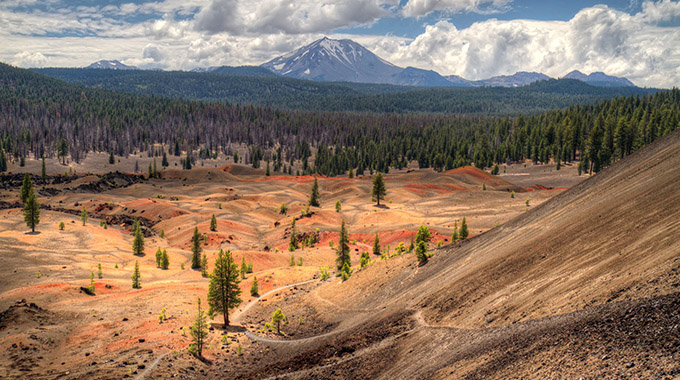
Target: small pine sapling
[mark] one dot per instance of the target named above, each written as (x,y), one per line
(254,289)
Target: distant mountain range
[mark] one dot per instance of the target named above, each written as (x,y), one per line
(599,79)
(328,60)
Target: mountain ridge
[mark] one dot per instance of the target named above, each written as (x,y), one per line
(329,60)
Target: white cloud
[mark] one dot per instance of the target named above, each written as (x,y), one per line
(662,11)
(29,59)
(595,39)
(417,8)
(153,52)
(287,16)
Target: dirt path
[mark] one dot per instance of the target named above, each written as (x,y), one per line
(237,316)
(382,344)
(150,367)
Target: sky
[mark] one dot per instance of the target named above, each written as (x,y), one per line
(475,39)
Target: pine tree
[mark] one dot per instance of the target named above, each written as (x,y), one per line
(365,259)
(293,245)
(277,318)
(244,267)
(291,263)
(3,161)
(314,197)
(376,245)
(338,206)
(112,160)
(254,289)
(99,271)
(43,171)
(136,282)
(138,242)
(26,187)
(32,210)
(345,272)
(91,288)
(224,292)
(135,226)
(136,166)
(196,249)
(343,248)
(165,260)
(421,252)
(159,257)
(379,190)
(213,223)
(266,172)
(204,265)
(83,216)
(411,246)
(454,236)
(164,160)
(464,232)
(199,332)
(423,235)
(62,150)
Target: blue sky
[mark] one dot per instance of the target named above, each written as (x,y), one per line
(476,39)
(527,9)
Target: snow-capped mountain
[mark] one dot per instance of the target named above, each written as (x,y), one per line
(330,60)
(600,79)
(334,61)
(112,65)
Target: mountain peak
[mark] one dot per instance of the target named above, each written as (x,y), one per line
(600,79)
(110,64)
(333,60)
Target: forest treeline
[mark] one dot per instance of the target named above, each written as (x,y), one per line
(44,116)
(289,93)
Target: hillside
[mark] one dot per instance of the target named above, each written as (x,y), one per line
(555,291)
(299,94)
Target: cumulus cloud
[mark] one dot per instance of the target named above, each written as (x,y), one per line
(287,16)
(417,8)
(153,52)
(595,39)
(29,59)
(662,11)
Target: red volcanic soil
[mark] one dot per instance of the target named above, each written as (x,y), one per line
(300,179)
(472,172)
(241,170)
(544,188)
(153,208)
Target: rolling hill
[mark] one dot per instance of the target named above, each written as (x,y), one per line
(584,285)
(290,93)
